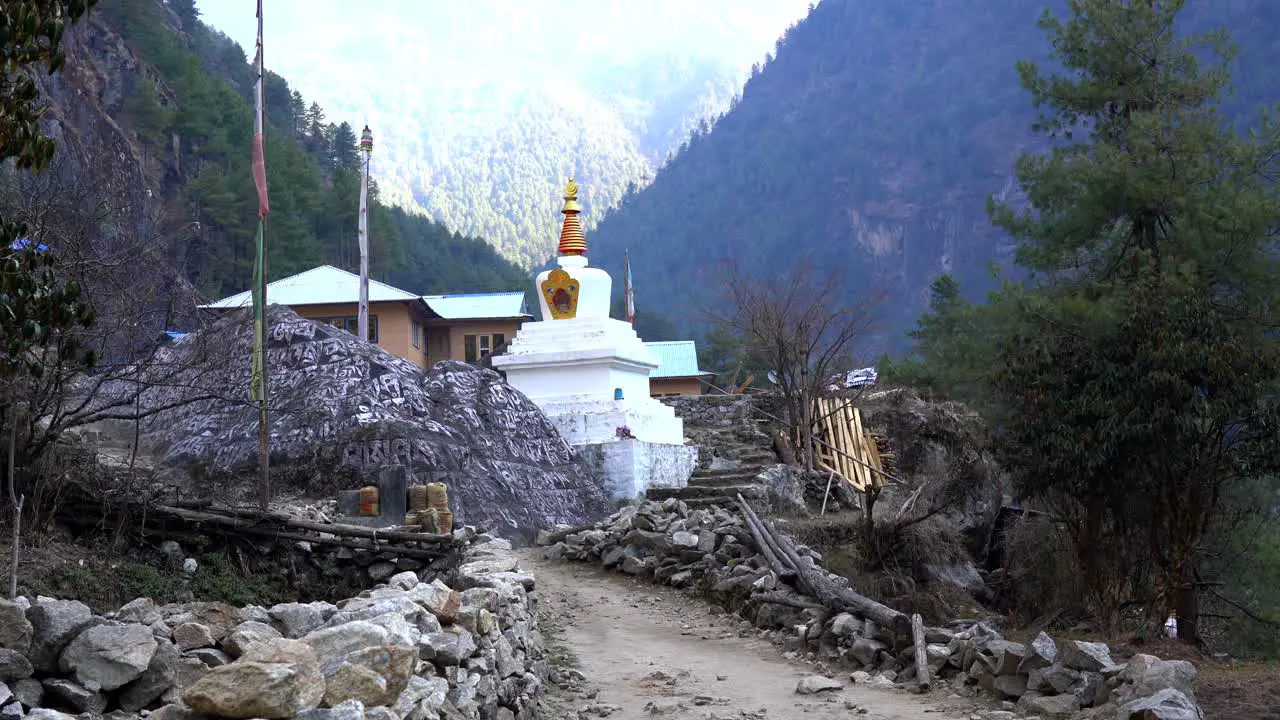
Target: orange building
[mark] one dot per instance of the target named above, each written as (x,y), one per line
(420,329)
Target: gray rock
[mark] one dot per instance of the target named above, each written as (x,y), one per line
(866,650)
(448,648)
(1080,655)
(247,634)
(29,692)
(47,714)
(422,698)
(1041,653)
(108,657)
(338,642)
(351,405)
(192,635)
(54,623)
(15,629)
(1146,675)
(5,694)
(211,657)
(75,696)
(1049,706)
(142,610)
(405,580)
(845,625)
(1168,704)
(14,665)
(13,711)
(296,619)
(784,489)
(380,571)
(1010,686)
(349,710)
(160,675)
(812,684)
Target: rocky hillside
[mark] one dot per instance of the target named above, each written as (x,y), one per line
(870,143)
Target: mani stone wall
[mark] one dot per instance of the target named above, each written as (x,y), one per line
(342,409)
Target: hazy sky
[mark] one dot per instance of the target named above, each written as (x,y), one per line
(314,42)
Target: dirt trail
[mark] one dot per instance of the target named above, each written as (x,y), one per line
(642,652)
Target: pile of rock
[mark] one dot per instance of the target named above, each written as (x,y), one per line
(409,648)
(712,550)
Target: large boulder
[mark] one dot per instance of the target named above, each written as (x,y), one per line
(343,409)
(275,679)
(944,447)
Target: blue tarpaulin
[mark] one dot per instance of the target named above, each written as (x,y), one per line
(25,243)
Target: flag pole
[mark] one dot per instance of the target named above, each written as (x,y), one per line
(259,379)
(628,291)
(366,149)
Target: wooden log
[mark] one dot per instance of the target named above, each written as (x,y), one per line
(559,535)
(817,583)
(355,543)
(922,654)
(790,600)
(250,518)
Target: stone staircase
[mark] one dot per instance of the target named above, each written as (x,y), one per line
(734,447)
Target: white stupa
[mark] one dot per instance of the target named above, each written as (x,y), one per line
(590,373)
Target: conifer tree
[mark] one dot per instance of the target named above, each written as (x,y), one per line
(1140,383)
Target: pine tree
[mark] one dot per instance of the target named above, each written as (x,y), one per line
(345,152)
(1140,382)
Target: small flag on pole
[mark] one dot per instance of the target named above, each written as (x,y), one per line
(259,391)
(629,291)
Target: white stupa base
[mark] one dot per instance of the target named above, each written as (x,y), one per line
(630,468)
(577,388)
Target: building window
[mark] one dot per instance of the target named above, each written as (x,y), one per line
(417,334)
(478,347)
(351,324)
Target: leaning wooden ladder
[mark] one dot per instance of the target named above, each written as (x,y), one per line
(848,449)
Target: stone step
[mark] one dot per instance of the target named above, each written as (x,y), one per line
(746,477)
(723,501)
(695,491)
(748,472)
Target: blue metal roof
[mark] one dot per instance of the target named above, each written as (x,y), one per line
(477,306)
(678,358)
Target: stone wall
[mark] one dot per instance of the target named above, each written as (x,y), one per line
(711,550)
(463,644)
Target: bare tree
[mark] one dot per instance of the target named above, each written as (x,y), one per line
(807,328)
(119,244)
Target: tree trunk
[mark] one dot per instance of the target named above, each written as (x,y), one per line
(1187,606)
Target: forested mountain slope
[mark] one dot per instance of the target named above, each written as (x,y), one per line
(482,109)
(870,143)
(150,88)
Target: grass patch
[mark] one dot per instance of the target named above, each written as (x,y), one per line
(91,574)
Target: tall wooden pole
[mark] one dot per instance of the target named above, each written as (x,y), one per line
(366,149)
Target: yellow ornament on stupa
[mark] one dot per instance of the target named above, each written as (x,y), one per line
(572,240)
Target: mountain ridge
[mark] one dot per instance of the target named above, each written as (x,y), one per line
(869,144)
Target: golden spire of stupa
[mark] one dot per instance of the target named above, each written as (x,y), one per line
(572,239)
